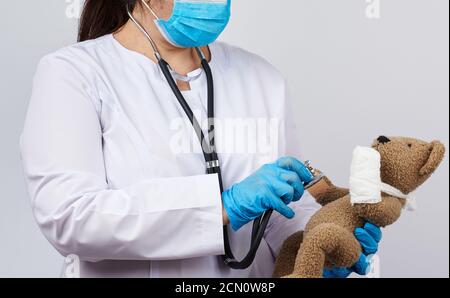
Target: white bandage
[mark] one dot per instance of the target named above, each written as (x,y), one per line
(365,180)
(411,204)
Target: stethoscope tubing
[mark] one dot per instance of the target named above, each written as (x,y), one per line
(210,155)
(209,150)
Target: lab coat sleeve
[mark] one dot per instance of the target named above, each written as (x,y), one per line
(61,149)
(279,227)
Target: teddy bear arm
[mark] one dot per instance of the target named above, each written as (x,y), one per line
(326,192)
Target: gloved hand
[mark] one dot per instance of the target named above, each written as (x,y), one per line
(273,186)
(369,237)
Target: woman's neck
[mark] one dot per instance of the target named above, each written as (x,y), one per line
(182,60)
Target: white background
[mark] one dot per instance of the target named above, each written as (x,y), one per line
(353,78)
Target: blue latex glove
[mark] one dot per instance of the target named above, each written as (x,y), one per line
(273,186)
(369,237)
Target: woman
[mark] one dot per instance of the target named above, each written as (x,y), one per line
(104,146)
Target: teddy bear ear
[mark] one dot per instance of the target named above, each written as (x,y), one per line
(436,156)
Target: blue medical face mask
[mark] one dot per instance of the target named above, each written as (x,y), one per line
(194,23)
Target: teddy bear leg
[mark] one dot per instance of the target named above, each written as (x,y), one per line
(325,242)
(284,264)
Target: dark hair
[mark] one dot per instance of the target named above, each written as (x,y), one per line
(101,17)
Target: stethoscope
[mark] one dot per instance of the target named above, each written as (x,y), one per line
(208,147)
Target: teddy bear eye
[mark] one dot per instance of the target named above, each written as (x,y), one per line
(410,145)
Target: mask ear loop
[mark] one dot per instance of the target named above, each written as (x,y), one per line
(150,9)
(155,48)
(147,35)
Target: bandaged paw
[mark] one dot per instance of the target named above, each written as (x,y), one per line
(365,176)
(365,180)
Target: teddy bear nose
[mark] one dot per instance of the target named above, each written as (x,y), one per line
(383,139)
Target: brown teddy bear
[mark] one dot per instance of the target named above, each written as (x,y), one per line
(328,238)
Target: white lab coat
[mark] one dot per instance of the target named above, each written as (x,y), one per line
(105,181)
